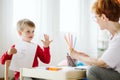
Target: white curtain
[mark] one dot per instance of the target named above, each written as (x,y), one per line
(75,17)
(6,18)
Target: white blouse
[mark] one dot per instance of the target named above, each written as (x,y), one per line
(112,55)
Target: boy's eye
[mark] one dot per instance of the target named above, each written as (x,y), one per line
(28,31)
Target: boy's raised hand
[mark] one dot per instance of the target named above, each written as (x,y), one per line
(12,51)
(46,41)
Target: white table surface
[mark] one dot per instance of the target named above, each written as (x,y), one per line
(66,73)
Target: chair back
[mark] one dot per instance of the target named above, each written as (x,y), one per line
(7,64)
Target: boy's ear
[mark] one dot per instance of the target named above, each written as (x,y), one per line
(19,32)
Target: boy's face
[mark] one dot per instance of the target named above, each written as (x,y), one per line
(27,34)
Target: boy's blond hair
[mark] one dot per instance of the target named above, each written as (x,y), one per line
(21,24)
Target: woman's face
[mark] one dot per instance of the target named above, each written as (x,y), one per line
(102,21)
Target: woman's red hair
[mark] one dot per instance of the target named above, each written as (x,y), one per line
(111,8)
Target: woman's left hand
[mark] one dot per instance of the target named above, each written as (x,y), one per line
(83,54)
(77,55)
(46,41)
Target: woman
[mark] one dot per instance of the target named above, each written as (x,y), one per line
(107,67)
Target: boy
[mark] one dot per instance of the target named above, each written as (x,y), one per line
(25,53)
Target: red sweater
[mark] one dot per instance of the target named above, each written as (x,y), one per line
(43,55)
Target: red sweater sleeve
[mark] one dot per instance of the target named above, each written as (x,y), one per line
(43,55)
(5,57)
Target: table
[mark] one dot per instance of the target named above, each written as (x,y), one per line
(66,73)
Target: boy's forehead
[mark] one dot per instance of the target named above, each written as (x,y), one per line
(29,27)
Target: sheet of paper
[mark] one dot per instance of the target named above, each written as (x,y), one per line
(24,56)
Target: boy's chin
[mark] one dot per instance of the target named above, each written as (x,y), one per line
(27,40)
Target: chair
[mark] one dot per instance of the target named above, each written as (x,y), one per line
(7,63)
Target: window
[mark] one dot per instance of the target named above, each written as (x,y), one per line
(70,16)
(29,9)
(75,17)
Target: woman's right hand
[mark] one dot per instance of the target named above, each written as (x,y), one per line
(12,51)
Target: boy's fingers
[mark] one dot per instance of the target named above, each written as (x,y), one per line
(51,41)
